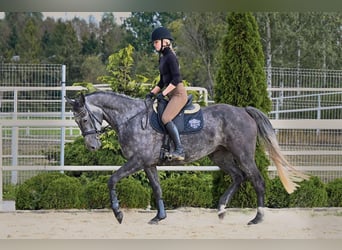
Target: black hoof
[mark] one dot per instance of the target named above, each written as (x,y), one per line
(156,220)
(119,216)
(258,218)
(253,222)
(221,215)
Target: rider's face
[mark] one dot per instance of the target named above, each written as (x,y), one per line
(157,45)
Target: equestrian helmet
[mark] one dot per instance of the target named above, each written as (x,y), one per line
(161,33)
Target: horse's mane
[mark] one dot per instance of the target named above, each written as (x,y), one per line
(112,93)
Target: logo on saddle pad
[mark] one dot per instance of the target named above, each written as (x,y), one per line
(195,123)
(189,120)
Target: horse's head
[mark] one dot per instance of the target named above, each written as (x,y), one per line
(89,120)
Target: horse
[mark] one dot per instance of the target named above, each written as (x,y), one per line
(228,137)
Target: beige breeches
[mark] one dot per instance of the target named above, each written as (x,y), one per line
(178,98)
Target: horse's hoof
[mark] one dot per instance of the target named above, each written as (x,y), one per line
(119,216)
(258,218)
(156,220)
(221,211)
(221,214)
(253,222)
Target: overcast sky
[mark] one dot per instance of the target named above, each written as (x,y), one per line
(84,15)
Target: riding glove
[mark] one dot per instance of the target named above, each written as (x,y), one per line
(160,96)
(149,96)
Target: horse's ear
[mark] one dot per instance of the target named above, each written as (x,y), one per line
(72,102)
(82,99)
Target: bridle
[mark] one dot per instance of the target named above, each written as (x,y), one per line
(93,120)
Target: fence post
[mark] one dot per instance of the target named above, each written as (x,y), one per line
(15,141)
(63,93)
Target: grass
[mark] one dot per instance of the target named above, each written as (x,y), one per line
(9,192)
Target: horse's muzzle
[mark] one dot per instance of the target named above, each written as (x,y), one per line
(92,143)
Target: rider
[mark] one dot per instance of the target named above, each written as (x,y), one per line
(171,85)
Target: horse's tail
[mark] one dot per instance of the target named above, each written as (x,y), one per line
(288,175)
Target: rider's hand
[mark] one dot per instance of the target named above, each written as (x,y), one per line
(160,96)
(149,96)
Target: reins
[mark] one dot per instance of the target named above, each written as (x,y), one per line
(145,111)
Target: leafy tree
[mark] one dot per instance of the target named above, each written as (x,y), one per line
(90,45)
(120,76)
(197,45)
(64,48)
(241,81)
(91,68)
(28,46)
(305,40)
(111,36)
(141,24)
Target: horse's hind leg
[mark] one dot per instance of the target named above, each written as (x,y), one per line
(254,175)
(240,170)
(152,175)
(227,164)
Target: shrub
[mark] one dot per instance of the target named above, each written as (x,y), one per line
(311,193)
(334,191)
(29,194)
(132,194)
(96,193)
(63,193)
(194,190)
(9,192)
(277,195)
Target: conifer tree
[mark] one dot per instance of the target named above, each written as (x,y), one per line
(241,81)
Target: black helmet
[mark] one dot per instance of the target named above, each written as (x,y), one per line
(161,33)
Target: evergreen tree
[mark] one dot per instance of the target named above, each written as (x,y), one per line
(64,48)
(241,81)
(29,45)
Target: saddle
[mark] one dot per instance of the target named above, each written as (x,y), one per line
(189,120)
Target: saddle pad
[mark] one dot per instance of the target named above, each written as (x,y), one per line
(186,123)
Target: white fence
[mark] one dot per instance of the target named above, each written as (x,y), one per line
(35,124)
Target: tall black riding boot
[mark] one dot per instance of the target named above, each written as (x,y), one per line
(178,154)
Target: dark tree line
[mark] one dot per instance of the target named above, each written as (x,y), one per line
(304,40)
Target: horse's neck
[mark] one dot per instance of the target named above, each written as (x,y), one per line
(116,108)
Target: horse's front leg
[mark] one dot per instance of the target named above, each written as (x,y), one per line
(127,169)
(152,175)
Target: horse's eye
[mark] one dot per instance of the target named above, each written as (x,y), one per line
(85,120)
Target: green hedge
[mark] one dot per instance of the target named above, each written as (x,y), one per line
(194,190)
(59,191)
(277,197)
(29,194)
(334,191)
(311,193)
(63,193)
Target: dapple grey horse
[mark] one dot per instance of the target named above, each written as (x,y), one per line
(228,137)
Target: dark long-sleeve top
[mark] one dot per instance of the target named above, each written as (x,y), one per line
(169,69)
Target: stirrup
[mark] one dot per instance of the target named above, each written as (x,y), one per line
(179,156)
